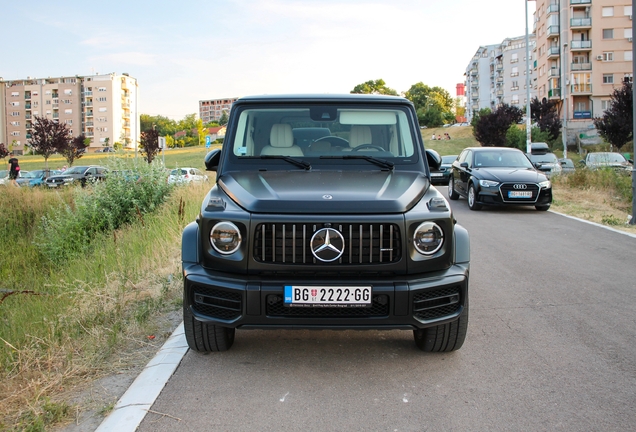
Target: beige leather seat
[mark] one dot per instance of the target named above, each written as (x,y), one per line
(359,135)
(281,140)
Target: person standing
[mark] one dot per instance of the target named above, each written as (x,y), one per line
(14,170)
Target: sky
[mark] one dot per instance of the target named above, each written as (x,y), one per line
(185,51)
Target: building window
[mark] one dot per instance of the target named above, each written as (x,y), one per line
(608,56)
(68,111)
(608,33)
(629,55)
(69,122)
(514,58)
(15,103)
(103,109)
(67,101)
(15,113)
(101,89)
(15,94)
(15,123)
(604,105)
(627,33)
(68,92)
(608,79)
(15,133)
(608,11)
(101,99)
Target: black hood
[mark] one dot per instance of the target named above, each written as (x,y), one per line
(323,192)
(511,175)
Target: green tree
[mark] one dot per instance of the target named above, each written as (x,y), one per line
(162,124)
(201,132)
(49,136)
(616,125)
(491,129)
(374,87)
(224,118)
(434,99)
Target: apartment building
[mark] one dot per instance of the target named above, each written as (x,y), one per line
(102,107)
(497,75)
(583,53)
(213,109)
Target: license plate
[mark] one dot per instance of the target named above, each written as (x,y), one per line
(436,174)
(520,194)
(317,296)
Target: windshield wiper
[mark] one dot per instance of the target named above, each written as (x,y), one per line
(299,163)
(380,162)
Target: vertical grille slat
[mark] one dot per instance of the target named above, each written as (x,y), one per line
(290,243)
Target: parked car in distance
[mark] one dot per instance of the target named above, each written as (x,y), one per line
(187,175)
(567,165)
(78,174)
(441,176)
(543,159)
(4,176)
(105,150)
(596,160)
(498,176)
(36,177)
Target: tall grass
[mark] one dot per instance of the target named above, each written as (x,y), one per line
(63,316)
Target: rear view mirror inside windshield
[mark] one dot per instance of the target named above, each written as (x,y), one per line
(323,113)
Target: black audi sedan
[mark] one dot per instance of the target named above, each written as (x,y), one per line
(498,176)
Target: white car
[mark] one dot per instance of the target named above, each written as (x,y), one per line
(187,175)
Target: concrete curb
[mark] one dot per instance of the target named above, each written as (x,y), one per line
(594,223)
(133,406)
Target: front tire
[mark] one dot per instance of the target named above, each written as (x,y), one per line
(542,207)
(472,198)
(204,337)
(444,337)
(452,195)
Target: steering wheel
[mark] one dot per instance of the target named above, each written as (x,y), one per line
(368,146)
(334,140)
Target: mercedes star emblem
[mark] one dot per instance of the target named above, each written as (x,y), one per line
(327,244)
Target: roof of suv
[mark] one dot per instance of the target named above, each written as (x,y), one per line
(345,97)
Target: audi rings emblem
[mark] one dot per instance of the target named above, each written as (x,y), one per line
(327,244)
(520,186)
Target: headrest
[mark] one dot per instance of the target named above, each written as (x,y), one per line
(281,135)
(359,135)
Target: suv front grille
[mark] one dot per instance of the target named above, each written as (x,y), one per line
(379,308)
(289,243)
(429,305)
(216,303)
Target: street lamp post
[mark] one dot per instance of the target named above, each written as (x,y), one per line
(632,221)
(528,122)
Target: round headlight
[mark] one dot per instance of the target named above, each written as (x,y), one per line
(428,238)
(225,238)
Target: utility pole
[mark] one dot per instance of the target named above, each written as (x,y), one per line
(563,23)
(528,121)
(632,221)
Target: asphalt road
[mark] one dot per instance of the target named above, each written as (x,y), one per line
(550,346)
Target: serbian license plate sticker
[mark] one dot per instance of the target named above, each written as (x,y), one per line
(520,194)
(317,296)
(436,174)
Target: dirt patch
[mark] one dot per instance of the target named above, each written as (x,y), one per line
(92,401)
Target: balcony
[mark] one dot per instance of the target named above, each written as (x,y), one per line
(553,8)
(474,96)
(499,67)
(89,123)
(553,31)
(580,22)
(581,45)
(553,51)
(27,106)
(554,73)
(579,2)
(473,72)
(580,66)
(554,93)
(578,89)
(500,93)
(89,113)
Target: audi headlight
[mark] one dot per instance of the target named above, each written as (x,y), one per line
(428,238)
(545,184)
(488,183)
(225,238)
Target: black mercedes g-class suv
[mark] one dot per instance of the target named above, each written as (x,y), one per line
(342,232)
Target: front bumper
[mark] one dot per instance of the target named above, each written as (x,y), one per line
(498,197)
(399,303)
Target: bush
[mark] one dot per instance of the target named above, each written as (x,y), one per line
(130,190)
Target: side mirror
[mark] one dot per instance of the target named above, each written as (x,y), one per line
(212,160)
(537,165)
(464,165)
(434,159)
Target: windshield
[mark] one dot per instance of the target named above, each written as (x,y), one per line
(544,158)
(501,158)
(76,170)
(312,132)
(33,174)
(448,159)
(606,158)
